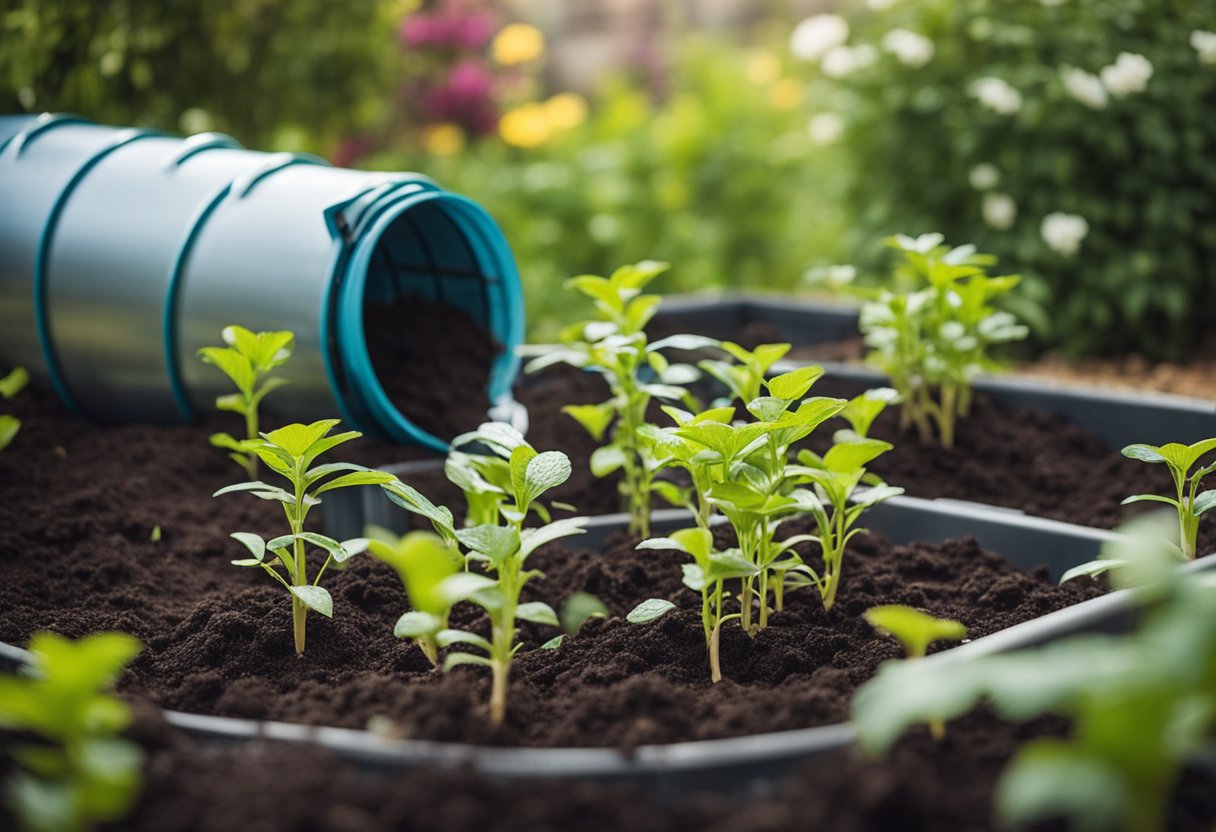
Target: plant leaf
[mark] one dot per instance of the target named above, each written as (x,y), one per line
(416,625)
(316,598)
(446,638)
(649,610)
(252,542)
(537,612)
(606,459)
(532,539)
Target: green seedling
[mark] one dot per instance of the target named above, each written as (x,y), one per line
(11,385)
(496,553)
(576,610)
(615,345)
(485,478)
(932,336)
(915,630)
(836,502)
(423,560)
(246,361)
(744,380)
(290,452)
(71,768)
(1141,705)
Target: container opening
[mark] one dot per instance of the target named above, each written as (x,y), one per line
(428,321)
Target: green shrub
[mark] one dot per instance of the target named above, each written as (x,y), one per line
(1071,138)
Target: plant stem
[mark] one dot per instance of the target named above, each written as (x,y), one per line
(498,692)
(251,432)
(763,599)
(779,593)
(299,612)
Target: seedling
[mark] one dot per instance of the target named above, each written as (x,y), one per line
(11,385)
(423,560)
(501,549)
(635,370)
(915,630)
(744,380)
(1140,705)
(290,452)
(1188,502)
(836,504)
(932,336)
(72,769)
(246,361)
(485,478)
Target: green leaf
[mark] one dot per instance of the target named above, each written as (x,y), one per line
(357,478)
(417,625)
(446,638)
(595,418)
(538,613)
(579,607)
(14,382)
(410,499)
(876,494)
(767,408)
(520,457)
(847,457)
(462,586)
(532,539)
(260,490)
(553,643)
(544,471)
(599,289)
(232,364)
(914,629)
(1092,569)
(1205,502)
(316,598)
(607,459)
(1149,498)
(297,439)
(494,542)
(649,610)
(254,543)
(1049,778)
(684,342)
(1144,453)
(456,659)
(794,384)
(9,426)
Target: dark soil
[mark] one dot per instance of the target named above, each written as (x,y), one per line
(433,361)
(923,785)
(78,506)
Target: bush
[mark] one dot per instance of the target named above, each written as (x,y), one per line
(1073,138)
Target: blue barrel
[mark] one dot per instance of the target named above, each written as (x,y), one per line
(123,251)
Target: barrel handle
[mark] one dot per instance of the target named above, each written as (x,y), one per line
(274,162)
(197,144)
(44,122)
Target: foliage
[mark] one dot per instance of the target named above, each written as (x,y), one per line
(11,385)
(615,345)
(912,628)
(500,549)
(743,470)
(290,452)
(687,179)
(423,560)
(284,76)
(1140,704)
(246,360)
(1068,138)
(931,333)
(73,770)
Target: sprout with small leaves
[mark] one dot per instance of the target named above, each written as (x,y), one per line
(485,478)
(71,769)
(932,335)
(1188,502)
(615,345)
(246,361)
(423,560)
(11,385)
(290,452)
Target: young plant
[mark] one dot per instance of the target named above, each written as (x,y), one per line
(744,380)
(423,560)
(1141,705)
(501,549)
(932,335)
(485,477)
(290,452)
(835,502)
(615,345)
(915,630)
(72,770)
(1188,501)
(246,361)
(11,385)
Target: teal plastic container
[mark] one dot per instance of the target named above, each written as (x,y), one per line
(122,251)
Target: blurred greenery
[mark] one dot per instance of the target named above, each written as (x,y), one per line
(287,75)
(721,179)
(1139,166)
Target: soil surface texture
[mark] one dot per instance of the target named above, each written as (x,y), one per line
(922,786)
(433,361)
(78,509)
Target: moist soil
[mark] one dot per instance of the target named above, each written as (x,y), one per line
(922,786)
(79,504)
(433,361)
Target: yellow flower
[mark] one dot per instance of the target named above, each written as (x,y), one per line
(528,125)
(786,94)
(517,43)
(443,139)
(763,67)
(566,110)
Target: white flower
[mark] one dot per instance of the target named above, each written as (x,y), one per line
(1063,233)
(881,5)
(825,128)
(1205,45)
(997,95)
(910,48)
(815,36)
(984,176)
(841,60)
(999,211)
(1128,74)
(1084,87)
